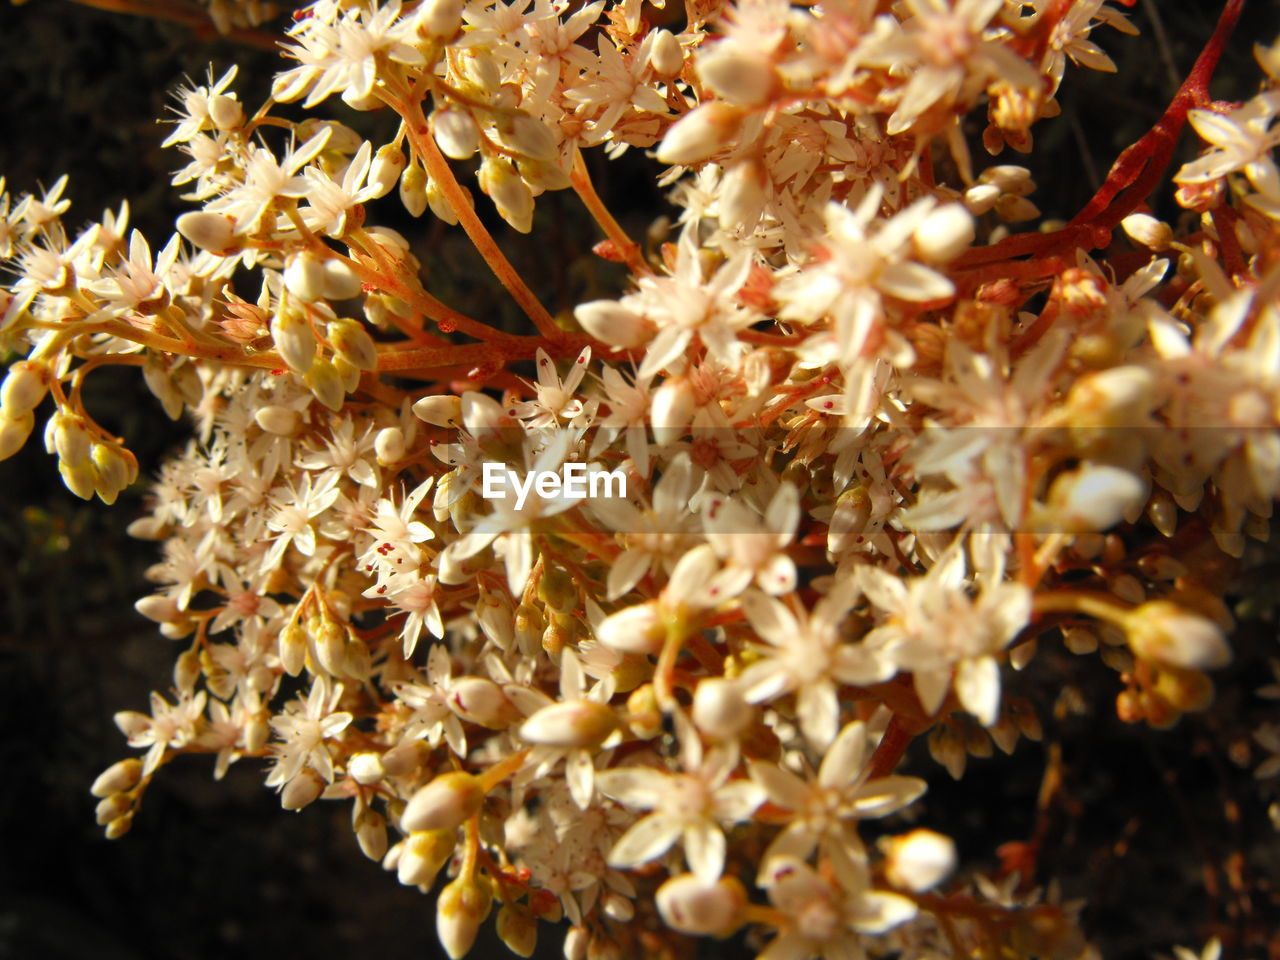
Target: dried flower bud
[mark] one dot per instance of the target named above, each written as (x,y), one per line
(212,232)
(120,776)
(444,803)
(720,710)
(14,431)
(351,341)
(1165,633)
(571,724)
(918,860)
(279,420)
(462,907)
(666,55)
(693,906)
(302,790)
(700,134)
(741,76)
(25,385)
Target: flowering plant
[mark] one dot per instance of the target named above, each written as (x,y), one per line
(871,448)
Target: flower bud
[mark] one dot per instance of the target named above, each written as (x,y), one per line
(279,420)
(293,648)
(738,75)
(25,385)
(111,808)
(413,189)
(693,906)
(294,340)
(226,112)
(517,929)
(981,198)
(456,133)
(918,860)
(638,629)
(511,195)
(441,410)
(700,134)
(1015,209)
(440,204)
(666,56)
(462,907)
(527,135)
(211,232)
(720,710)
(671,410)
(351,341)
(304,276)
(112,470)
(14,430)
(1147,230)
(1092,498)
(302,790)
(118,827)
(325,383)
(1009,178)
(120,776)
(444,803)
(612,323)
(371,834)
(389,446)
(440,19)
(1187,690)
(80,480)
(422,856)
(365,768)
(481,701)
(742,194)
(1165,633)
(341,282)
(944,234)
(388,163)
(571,724)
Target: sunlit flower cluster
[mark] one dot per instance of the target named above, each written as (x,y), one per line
(877,449)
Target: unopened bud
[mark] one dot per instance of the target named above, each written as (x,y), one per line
(111,808)
(694,906)
(517,929)
(226,112)
(304,276)
(294,339)
(371,834)
(302,790)
(1147,230)
(444,803)
(413,189)
(743,194)
(700,134)
(456,133)
(510,194)
(528,135)
(325,383)
(1092,498)
(481,701)
(741,76)
(610,322)
(211,232)
(365,768)
(666,56)
(720,710)
(118,827)
(388,163)
(25,385)
(1167,634)
(944,234)
(341,282)
(388,445)
(14,431)
(462,907)
(293,648)
(440,19)
(280,420)
(120,776)
(351,341)
(918,860)
(422,856)
(571,724)
(638,629)
(442,410)
(672,409)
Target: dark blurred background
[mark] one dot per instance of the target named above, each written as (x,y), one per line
(1166,835)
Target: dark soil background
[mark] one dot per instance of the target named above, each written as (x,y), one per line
(1166,835)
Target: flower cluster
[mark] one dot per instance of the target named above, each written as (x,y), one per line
(873,449)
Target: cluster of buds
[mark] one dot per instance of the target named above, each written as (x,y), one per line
(645,603)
